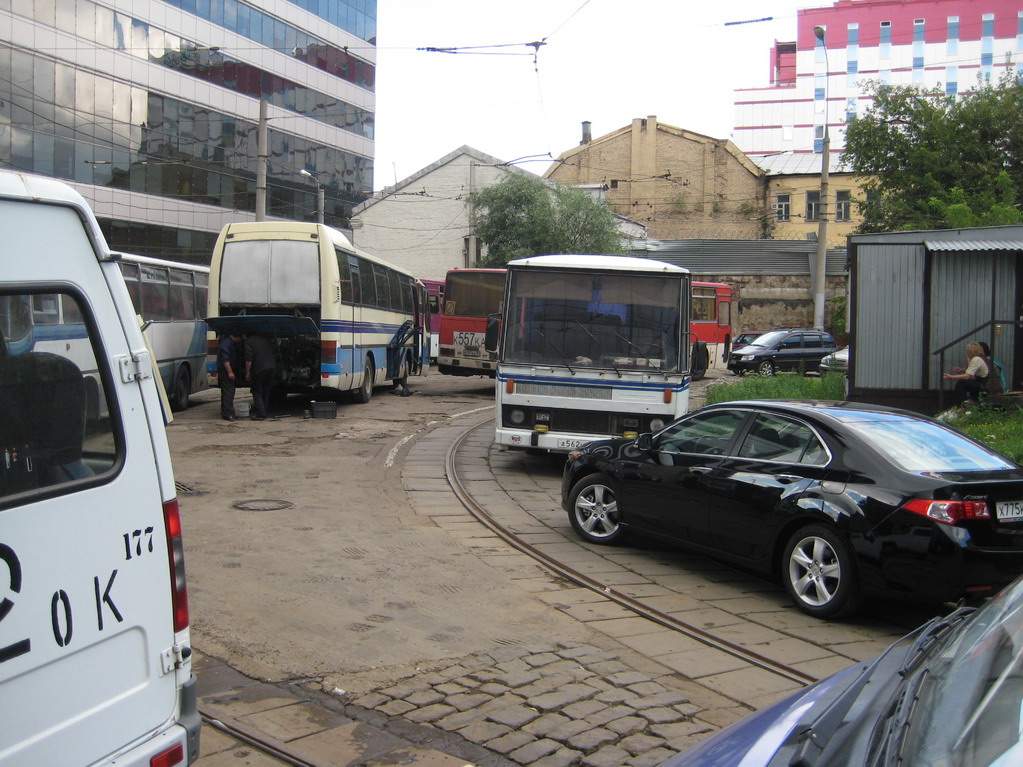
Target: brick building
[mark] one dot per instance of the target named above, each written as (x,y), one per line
(680,184)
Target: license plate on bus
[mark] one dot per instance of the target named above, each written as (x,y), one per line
(1009,509)
(571,444)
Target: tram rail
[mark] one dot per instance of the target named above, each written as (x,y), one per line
(633,604)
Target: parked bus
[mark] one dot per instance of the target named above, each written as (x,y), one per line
(171,298)
(711,325)
(590,347)
(471,295)
(435,296)
(341,320)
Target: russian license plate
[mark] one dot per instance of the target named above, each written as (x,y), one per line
(1009,509)
(571,444)
(472,351)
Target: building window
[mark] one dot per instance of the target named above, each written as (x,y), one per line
(813,206)
(885,47)
(818,138)
(952,42)
(783,207)
(951,81)
(843,206)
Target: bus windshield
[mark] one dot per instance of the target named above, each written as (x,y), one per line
(586,319)
(473,293)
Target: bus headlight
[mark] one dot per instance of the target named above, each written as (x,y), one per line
(656,424)
(517,417)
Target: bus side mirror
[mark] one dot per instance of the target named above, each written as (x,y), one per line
(493,334)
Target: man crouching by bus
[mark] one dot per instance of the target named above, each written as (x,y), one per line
(229,366)
(259,370)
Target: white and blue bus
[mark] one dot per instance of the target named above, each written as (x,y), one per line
(171,298)
(341,320)
(590,347)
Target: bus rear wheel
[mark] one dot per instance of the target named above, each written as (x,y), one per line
(365,392)
(182,390)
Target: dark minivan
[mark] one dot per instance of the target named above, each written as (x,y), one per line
(799,349)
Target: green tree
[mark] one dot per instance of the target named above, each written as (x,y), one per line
(933,161)
(524,216)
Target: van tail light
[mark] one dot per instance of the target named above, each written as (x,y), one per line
(176,548)
(949,512)
(173,755)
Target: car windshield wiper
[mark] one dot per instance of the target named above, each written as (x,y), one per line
(815,738)
(893,737)
(929,633)
(896,728)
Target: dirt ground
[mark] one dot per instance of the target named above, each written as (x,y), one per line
(304,557)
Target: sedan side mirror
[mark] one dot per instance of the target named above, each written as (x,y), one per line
(645,442)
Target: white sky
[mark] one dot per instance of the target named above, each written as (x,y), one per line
(606,61)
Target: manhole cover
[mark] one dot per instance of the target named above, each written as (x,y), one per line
(262,504)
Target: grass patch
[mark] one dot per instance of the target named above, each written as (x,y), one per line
(1001,430)
(784,386)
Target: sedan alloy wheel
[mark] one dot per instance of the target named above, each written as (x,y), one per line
(594,510)
(819,572)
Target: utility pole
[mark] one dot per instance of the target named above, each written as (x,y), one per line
(820,282)
(262,156)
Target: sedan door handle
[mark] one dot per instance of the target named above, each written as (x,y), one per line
(788,479)
(701,469)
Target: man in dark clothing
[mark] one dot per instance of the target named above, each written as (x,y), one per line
(229,367)
(259,370)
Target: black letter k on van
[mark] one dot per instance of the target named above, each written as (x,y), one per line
(105,598)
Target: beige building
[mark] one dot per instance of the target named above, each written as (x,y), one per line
(793,198)
(680,184)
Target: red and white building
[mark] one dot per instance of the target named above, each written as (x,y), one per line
(944,44)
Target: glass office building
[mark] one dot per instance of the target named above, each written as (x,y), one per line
(151,110)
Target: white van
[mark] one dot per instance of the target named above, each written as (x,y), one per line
(95,655)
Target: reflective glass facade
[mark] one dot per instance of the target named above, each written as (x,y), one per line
(78,122)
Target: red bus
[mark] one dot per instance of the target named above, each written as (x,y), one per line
(470,295)
(711,326)
(435,294)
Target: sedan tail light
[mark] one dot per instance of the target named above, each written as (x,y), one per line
(949,512)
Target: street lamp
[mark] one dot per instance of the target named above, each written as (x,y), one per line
(319,194)
(820,285)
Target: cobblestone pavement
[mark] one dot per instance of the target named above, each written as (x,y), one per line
(620,697)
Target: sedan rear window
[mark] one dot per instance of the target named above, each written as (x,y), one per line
(924,446)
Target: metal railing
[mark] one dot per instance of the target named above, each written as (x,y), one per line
(941,352)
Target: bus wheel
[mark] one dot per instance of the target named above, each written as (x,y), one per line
(182,390)
(700,361)
(365,391)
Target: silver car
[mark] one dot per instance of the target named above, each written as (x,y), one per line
(836,362)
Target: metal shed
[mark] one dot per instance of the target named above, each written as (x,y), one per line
(917,299)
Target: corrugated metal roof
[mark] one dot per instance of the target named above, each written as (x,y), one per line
(963,245)
(799,163)
(724,257)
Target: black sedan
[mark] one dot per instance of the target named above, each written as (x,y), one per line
(839,500)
